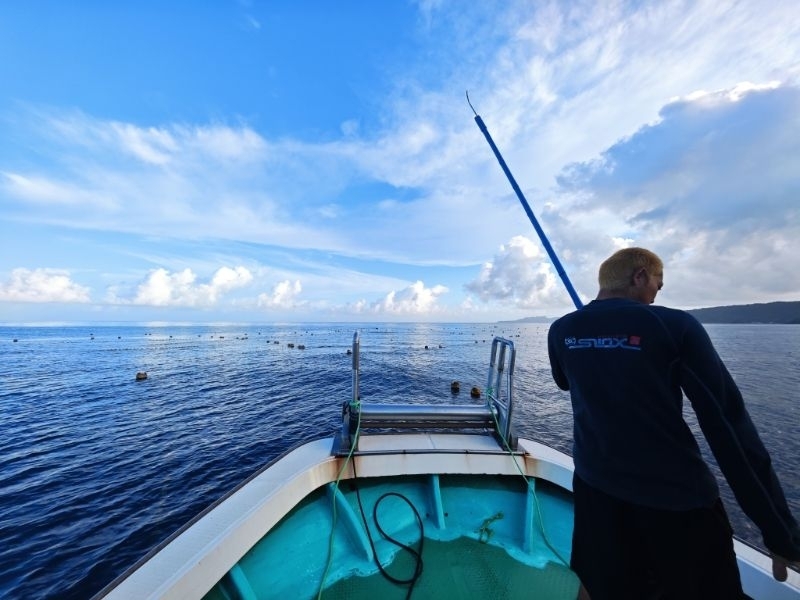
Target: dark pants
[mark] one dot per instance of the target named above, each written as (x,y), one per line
(623,551)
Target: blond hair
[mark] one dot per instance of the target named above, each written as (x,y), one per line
(617,271)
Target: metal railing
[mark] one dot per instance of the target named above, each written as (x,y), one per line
(495,415)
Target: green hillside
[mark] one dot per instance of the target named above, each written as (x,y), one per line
(770,312)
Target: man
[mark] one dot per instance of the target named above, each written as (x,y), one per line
(647,507)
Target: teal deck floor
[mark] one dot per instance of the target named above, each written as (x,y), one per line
(463,569)
(483,539)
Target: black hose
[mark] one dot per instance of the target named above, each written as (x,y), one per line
(416,553)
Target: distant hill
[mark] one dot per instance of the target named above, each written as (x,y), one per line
(770,312)
(532,320)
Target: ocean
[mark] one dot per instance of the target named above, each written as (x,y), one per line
(96,467)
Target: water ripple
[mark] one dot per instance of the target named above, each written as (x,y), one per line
(97,468)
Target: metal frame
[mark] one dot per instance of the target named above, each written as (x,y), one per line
(495,415)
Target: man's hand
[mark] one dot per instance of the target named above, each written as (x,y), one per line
(779,567)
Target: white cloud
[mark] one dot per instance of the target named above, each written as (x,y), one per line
(416,299)
(350,128)
(283,295)
(162,288)
(225,143)
(42,285)
(151,145)
(567,81)
(226,279)
(713,187)
(173,144)
(187,182)
(52,193)
(520,275)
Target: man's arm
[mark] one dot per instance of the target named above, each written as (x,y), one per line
(735,442)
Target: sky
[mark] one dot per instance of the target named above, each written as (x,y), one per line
(315,161)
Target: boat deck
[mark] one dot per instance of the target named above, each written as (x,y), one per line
(481,539)
(466,569)
(427,442)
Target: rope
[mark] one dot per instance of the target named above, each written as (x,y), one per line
(532,489)
(417,554)
(353,404)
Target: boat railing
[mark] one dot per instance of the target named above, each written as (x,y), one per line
(493,416)
(500,385)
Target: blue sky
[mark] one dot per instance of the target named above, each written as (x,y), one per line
(317,161)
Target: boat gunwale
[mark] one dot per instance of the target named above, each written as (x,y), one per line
(114,583)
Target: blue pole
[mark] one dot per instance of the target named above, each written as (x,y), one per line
(545,242)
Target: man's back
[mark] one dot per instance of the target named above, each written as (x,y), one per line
(623,364)
(642,493)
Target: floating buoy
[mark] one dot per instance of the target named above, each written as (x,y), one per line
(455,387)
(475,392)
(141,375)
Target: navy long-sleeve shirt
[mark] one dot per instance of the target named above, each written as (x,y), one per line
(627,366)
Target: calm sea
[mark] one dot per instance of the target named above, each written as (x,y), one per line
(96,468)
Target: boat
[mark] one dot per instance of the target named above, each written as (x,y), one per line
(405,500)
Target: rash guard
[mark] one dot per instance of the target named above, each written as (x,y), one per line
(627,366)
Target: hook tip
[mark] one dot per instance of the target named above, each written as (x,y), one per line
(470,104)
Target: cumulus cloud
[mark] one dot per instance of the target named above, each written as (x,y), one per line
(416,299)
(705,162)
(713,186)
(283,295)
(162,288)
(42,285)
(520,275)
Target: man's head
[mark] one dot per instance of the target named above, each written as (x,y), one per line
(633,273)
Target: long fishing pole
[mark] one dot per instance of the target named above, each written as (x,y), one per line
(545,242)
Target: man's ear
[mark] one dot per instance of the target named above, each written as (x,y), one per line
(640,275)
